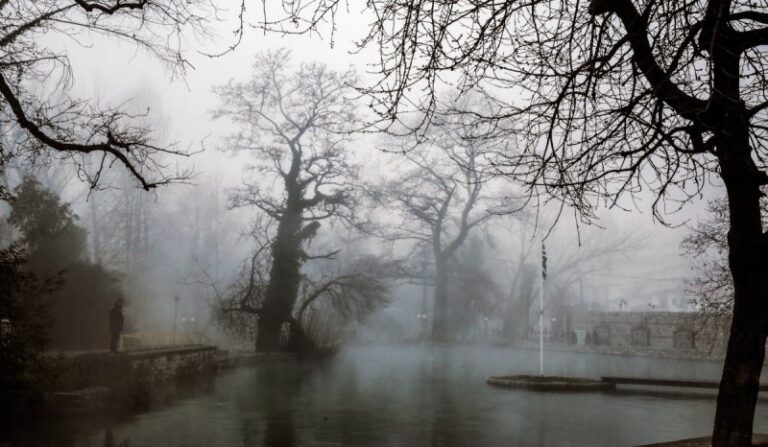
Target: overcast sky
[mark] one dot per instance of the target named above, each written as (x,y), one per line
(114,71)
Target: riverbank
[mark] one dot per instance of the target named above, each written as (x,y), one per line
(88,382)
(757,441)
(623,351)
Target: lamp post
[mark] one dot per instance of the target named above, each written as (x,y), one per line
(422,317)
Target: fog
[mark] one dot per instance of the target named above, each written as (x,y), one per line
(409,250)
(436,397)
(180,110)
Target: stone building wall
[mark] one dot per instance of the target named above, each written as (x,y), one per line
(688,333)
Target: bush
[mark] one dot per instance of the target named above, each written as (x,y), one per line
(24,323)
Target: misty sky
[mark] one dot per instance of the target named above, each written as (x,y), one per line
(113,72)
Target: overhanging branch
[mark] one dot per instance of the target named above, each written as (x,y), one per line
(113,145)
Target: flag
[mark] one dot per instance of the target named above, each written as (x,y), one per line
(543,261)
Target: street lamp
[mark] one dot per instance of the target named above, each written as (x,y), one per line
(422,317)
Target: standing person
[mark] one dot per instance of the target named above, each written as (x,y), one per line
(115,324)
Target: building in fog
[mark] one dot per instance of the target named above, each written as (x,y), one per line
(687,334)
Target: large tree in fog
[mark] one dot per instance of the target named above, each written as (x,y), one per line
(295,124)
(613,97)
(440,196)
(40,112)
(330,296)
(475,296)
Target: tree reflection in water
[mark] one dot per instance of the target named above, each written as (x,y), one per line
(109,440)
(395,396)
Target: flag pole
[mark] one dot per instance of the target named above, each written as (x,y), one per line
(541,309)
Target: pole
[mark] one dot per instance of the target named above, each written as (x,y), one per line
(528,315)
(175,315)
(541,314)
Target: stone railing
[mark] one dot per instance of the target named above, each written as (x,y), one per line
(163,364)
(156,339)
(92,381)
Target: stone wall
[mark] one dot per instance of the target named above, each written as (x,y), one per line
(92,381)
(126,369)
(644,333)
(165,364)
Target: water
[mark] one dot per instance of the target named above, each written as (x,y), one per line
(412,396)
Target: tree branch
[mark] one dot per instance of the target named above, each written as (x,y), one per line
(112,145)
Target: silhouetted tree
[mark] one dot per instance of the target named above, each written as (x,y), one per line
(707,245)
(440,198)
(237,305)
(326,302)
(48,228)
(24,322)
(56,246)
(475,295)
(46,120)
(711,288)
(295,124)
(611,98)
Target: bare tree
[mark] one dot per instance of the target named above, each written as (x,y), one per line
(598,252)
(475,293)
(570,259)
(707,245)
(122,223)
(711,288)
(613,97)
(237,307)
(441,197)
(295,124)
(343,295)
(35,80)
(657,80)
(327,301)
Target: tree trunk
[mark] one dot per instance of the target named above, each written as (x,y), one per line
(284,278)
(740,381)
(268,335)
(746,344)
(516,301)
(440,323)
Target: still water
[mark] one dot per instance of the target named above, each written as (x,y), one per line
(404,396)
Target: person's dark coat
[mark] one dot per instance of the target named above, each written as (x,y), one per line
(116,319)
(115,325)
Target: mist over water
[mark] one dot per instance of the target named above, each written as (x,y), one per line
(323,223)
(398,396)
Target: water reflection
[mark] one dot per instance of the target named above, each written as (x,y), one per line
(279,431)
(397,397)
(103,428)
(278,400)
(109,440)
